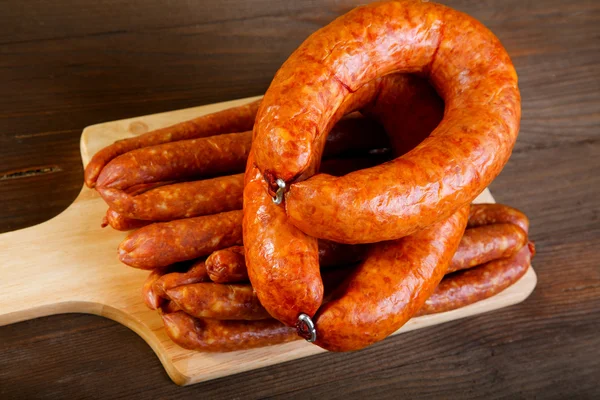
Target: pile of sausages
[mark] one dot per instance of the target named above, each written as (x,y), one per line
(338,206)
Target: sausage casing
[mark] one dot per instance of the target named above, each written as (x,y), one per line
(165,243)
(467,287)
(213,300)
(212,335)
(236,119)
(389,287)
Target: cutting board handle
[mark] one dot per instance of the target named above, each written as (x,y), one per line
(53,267)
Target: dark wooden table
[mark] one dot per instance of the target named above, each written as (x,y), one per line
(66,64)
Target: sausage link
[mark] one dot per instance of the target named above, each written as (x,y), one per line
(211,156)
(180,200)
(446,171)
(282,261)
(194,273)
(227,265)
(120,222)
(236,119)
(389,287)
(168,307)
(352,135)
(477,246)
(165,243)
(467,287)
(212,335)
(486,214)
(486,243)
(239,302)
(149,295)
(213,300)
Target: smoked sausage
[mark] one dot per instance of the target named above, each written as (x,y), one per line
(205,157)
(449,169)
(213,335)
(180,200)
(486,243)
(185,274)
(467,287)
(236,119)
(164,243)
(213,300)
(388,288)
(493,213)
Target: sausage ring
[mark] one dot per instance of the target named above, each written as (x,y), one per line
(463,60)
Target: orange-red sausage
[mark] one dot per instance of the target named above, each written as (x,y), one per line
(353,135)
(467,287)
(165,243)
(180,200)
(278,252)
(213,300)
(465,63)
(120,222)
(227,265)
(486,214)
(206,157)
(213,335)
(149,295)
(282,261)
(194,273)
(486,243)
(236,119)
(388,288)
(477,246)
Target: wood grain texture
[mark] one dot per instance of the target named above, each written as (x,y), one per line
(65,65)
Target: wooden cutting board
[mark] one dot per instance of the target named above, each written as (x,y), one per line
(69,265)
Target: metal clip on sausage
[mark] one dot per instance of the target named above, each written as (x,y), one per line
(306,328)
(279,194)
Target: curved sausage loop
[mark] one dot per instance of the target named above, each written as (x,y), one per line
(466,64)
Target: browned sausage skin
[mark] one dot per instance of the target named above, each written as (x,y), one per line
(468,67)
(486,243)
(236,119)
(164,243)
(477,246)
(282,261)
(149,295)
(388,288)
(213,300)
(212,335)
(189,274)
(180,200)
(273,256)
(206,157)
(227,265)
(467,287)
(487,214)
(120,222)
